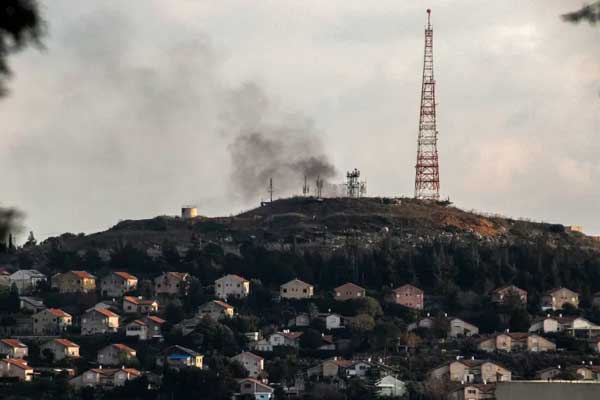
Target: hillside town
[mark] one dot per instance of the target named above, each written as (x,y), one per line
(117,331)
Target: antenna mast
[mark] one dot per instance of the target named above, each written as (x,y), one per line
(305,188)
(427,178)
(271,189)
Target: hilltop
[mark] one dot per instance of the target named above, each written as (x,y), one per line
(326,224)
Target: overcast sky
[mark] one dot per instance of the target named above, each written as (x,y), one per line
(134,107)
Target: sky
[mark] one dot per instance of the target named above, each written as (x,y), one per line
(133,109)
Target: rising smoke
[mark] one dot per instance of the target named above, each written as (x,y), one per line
(270,144)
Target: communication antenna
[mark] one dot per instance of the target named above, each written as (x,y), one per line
(305,188)
(271,189)
(319,187)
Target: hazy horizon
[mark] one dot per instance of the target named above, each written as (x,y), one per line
(134,109)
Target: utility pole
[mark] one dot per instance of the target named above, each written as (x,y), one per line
(427,177)
(271,189)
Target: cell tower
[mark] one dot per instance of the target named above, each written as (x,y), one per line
(355,188)
(427,179)
(305,187)
(319,186)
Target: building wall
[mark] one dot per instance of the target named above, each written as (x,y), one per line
(115,286)
(231,287)
(46,323)
(529,390)
(349,294)
(296,290)
(408,296)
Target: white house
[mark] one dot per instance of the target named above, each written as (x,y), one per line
(254,364)
(232,286)
(26,280)
(388,386)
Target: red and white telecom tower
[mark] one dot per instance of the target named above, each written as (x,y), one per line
(427,179)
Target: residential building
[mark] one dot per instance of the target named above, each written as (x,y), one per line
(51,321)
(516,341)
(549,373)
(502,294)
(389,386)
(408,296)
(171,283)
(99,321)
(555,299)
(60,349)
(471,371)
(232,286)
(458,328)
(115,354)
(105,378)
(302,319)
(215,309)
(296,289)
(424,323)
(27,280)
(327,343)
(13,348)
(285,338)
(254,389)
(349,291)
(16,368)
(74,282)
(31,304)
(475,391)
(336,367)
(181,357)
(116,284)
(588,372)
(574,326)
(332,321)
(146,328)
(254,364)
(139,305)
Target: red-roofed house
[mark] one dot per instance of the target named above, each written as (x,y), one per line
(145,328)
(115,354)
(105,378)
(254,389)
(349,291)
(99,321)
(13,348)
(117,284)
(516,341)
(74,282)
(16,368)
(296,289)
(216,309)
(171,283)
(61,349)
(51,321)
(232,286)
(139,305)
(408,296)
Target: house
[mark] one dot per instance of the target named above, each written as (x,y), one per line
(588,372)
(549,373)
(458,328)
(327,343)
(232,286)
(251,388)
(105,378)
(99,321)
(349,291)
(254,364)
(51,321)
(471,371)
(171,283)
(302,319)
(389,386)
(139,305)
(27,280)
(407,296)
(74,282)
(424,323)
(475,391)
(177,357)
(60,349)
(555,299)
(285,338)
(516,341)
(115,354)
(215,309)
(117,284)
(503,294)
(146,328)
(13,348)
(336,367)
(31,304)
(16,368)
(574,326)
(332,321)
(296,289)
